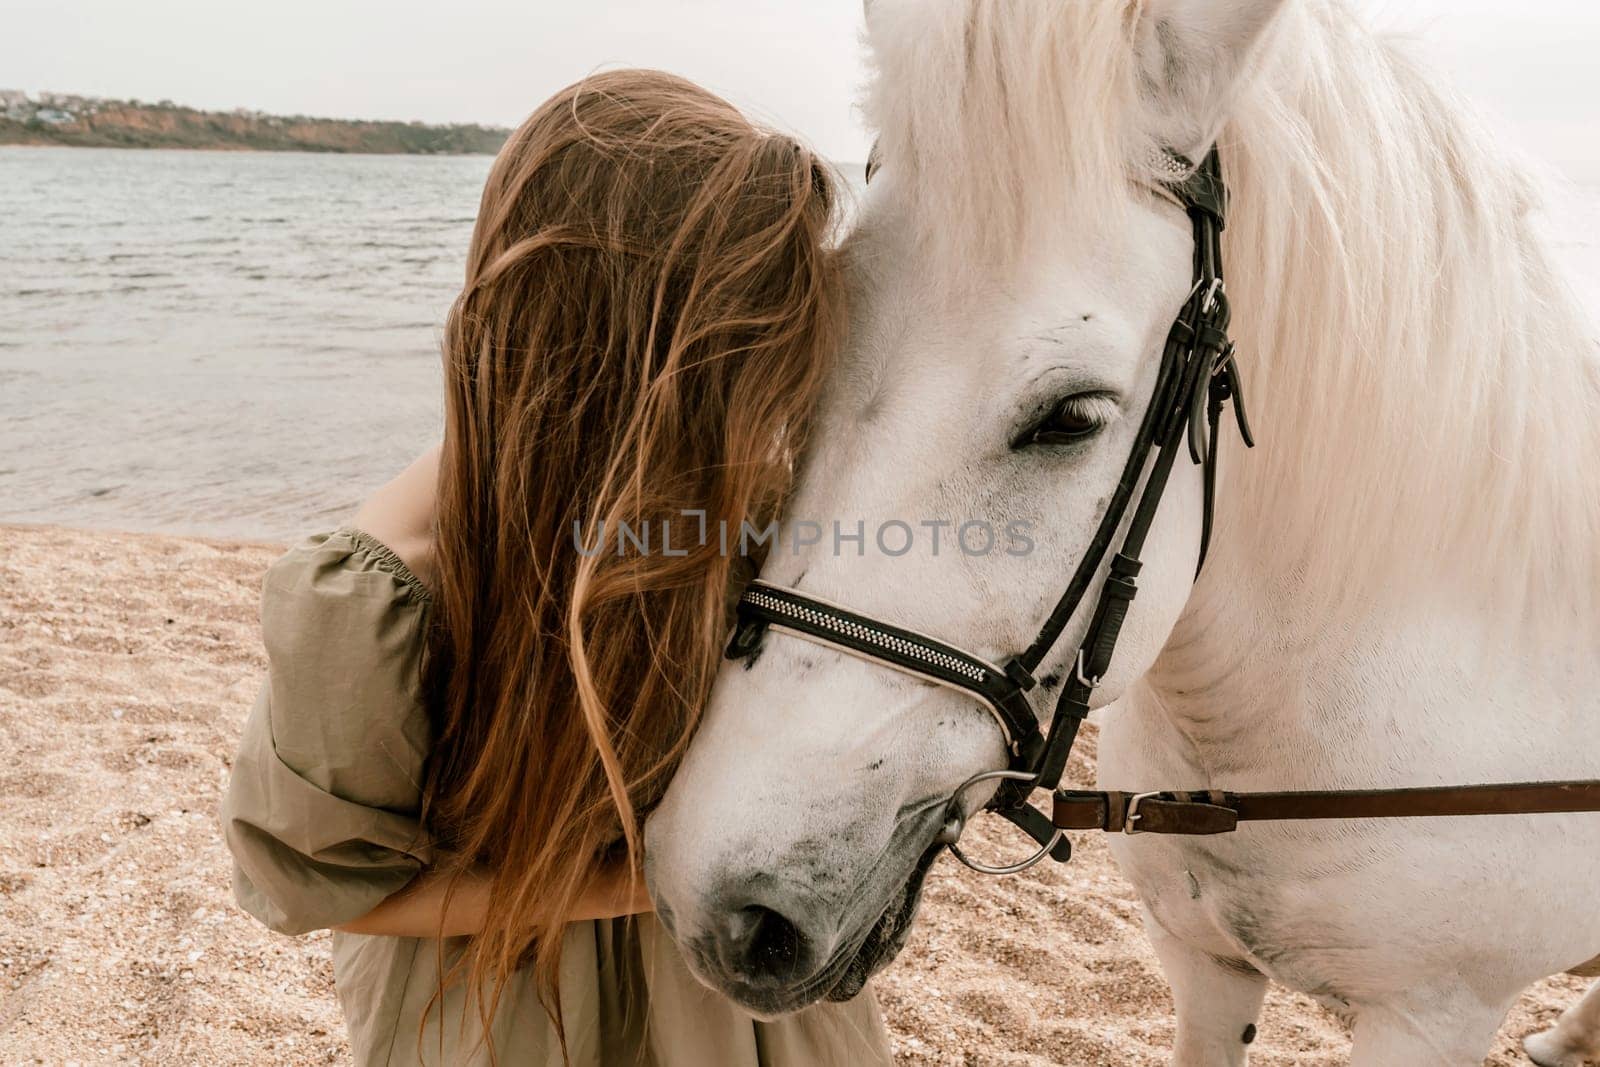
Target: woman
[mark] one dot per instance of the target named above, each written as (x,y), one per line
(473,693)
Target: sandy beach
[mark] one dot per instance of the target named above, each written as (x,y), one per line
(127,664)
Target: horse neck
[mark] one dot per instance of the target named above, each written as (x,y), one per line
(1422,384)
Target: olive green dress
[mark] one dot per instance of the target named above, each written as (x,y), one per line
(321,817)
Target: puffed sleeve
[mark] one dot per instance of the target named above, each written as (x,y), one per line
(321,813)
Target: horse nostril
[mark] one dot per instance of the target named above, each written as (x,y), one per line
(774,946)
(763,944)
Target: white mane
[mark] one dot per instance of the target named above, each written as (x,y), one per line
(1426,391)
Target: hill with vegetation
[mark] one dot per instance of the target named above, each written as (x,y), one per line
(60,119)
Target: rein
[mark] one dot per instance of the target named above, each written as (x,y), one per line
(1197,379)
(1205,813)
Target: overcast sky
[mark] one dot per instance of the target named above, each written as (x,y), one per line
(1531,64)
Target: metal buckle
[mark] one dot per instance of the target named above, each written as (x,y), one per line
(1130,821)
(1222,361)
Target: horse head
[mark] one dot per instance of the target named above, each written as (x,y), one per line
(1016,272)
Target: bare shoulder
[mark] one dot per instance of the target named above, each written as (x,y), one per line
(401,514)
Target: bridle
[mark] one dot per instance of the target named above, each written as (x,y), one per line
(1197,379)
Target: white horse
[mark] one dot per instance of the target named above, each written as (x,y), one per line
(1403,590)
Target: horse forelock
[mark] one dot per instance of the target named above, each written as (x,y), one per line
(995,118)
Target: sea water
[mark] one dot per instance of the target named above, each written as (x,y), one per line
(246,344)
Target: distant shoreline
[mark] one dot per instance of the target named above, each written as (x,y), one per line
(223,149)
(61,120)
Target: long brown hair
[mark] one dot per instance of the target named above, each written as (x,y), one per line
(650,296)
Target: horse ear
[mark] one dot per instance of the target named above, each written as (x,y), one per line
(1193,55)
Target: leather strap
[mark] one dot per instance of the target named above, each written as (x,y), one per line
(1196,814)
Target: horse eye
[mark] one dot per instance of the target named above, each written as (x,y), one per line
(1074,419)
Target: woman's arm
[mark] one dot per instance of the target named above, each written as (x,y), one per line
(416,910)
(400,515)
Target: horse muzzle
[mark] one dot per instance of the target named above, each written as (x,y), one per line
(767,934)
